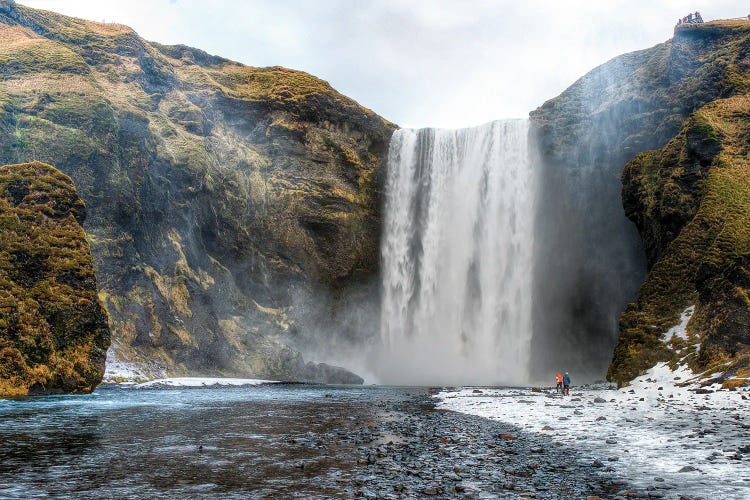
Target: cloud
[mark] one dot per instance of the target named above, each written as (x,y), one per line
(418,63)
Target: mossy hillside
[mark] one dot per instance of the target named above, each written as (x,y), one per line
(638,101)
(22,52)
(691,202)
(635,103)
(53,331)
(211,187)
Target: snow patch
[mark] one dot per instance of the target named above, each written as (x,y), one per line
(680,331)
(118,371)
(203,382)
(644,433)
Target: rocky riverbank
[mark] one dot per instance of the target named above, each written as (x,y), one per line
(277,441)
(411,449)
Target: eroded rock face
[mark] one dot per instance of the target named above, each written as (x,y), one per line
(691,202)
(592,258)
(230,207)
(53,330)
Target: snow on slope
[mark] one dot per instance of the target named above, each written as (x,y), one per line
(649,434)
(680,330)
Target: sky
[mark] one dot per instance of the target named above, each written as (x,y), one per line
(418,63)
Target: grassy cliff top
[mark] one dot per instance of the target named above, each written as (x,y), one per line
(638,101)
(39,41)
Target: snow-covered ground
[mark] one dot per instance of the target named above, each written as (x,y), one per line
(203,382)
(653,434)
(120,371)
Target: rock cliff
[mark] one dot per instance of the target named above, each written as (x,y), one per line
(229,207)
(53,330)
(685,99)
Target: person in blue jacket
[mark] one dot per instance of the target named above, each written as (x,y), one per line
(566,384)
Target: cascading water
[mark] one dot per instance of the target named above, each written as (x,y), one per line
(457,256)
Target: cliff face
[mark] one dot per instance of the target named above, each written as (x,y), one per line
(226,203)
(683,96)
(691,202)
(53,330)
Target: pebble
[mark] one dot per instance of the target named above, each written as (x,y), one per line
(435,453)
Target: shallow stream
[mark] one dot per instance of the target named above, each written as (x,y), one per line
(274,441)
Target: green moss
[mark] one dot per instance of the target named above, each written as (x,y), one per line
(53,332)
(230,158)
(702,263)
(39,55)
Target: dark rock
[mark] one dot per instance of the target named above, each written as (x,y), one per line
(327,374)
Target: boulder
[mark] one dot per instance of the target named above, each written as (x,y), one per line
(53,330)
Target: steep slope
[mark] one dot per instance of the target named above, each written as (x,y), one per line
(53,330)
(691,202)
(226,203)
(594,258)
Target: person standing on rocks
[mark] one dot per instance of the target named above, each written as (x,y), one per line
(566,384)
(559,382)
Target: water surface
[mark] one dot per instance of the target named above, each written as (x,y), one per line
(266,441)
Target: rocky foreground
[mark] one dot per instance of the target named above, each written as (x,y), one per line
(303,441)
(414,450)
(665,441)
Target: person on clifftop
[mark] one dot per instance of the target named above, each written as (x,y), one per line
(559,382)
(566,384)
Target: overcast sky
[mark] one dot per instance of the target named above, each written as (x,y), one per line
(416,62)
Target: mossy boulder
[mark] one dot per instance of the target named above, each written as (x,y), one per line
(53,330)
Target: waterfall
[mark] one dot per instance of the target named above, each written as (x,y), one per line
(457,256)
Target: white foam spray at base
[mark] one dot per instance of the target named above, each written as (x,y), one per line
(457,256)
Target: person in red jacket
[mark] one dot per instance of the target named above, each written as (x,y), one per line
(558,380)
